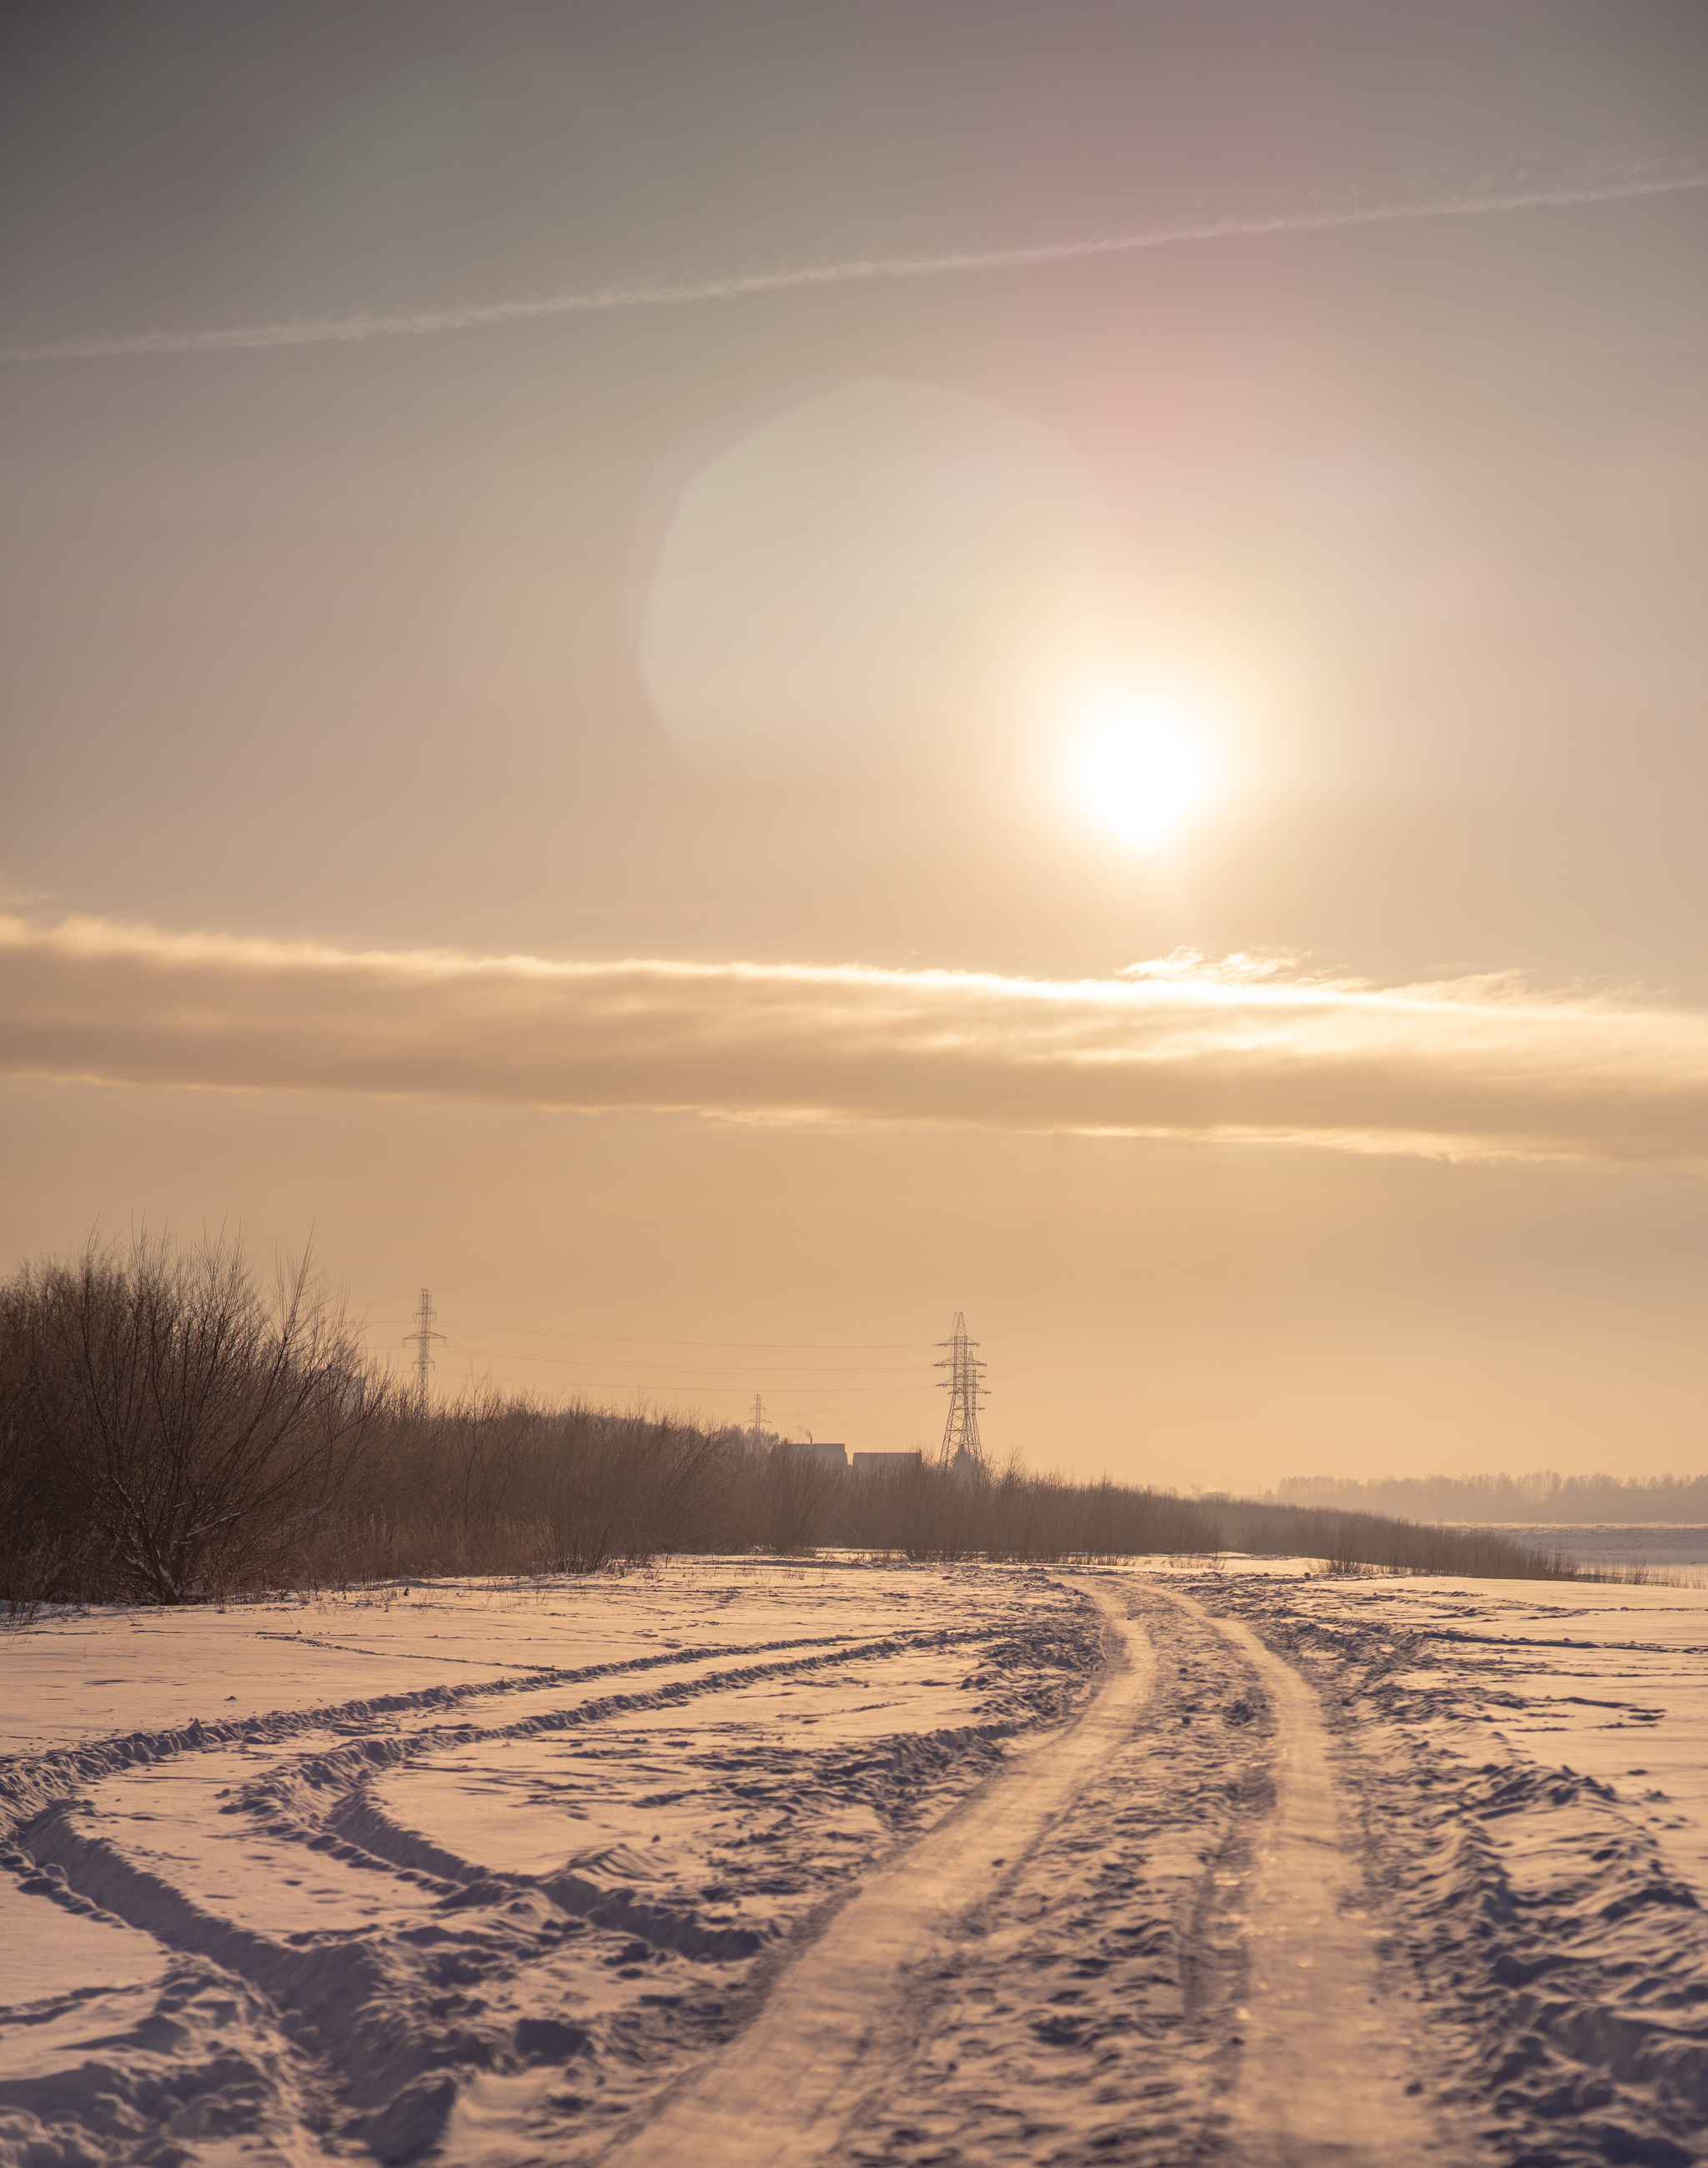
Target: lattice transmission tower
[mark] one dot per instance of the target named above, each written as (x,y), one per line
(421,1339)
(961,1450)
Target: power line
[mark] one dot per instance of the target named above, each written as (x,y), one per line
(723,1387)
(730,1370)
(657,1339)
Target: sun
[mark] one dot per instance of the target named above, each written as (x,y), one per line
(1139,767)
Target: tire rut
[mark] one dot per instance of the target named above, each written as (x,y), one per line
(1326,2074)
(796,2084)
(1087,2013)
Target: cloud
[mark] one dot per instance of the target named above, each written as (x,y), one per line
(1473,1066)
(324,331)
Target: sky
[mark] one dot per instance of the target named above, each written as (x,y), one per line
(723,679)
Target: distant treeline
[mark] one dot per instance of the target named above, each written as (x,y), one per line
(1567,1500)
(168,1434)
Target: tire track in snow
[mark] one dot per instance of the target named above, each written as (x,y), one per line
(783,2091)
(1535,1906)
(357,2015)
(1325,2077)
(1084,2015)
(30,1783)
(97,1871)
(337,1769)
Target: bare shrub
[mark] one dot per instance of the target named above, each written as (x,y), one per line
(921,1511)
(926,1511)
(164,1431)
(500,1483)
(684,1495)
(795,1490)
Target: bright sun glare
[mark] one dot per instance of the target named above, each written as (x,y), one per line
(1139,768)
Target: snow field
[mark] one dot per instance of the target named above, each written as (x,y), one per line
(1497,1744)
(428,1962)
(740,1861)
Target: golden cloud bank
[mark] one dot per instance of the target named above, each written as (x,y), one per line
(1181,1050)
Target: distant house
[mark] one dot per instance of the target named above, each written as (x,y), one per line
(885,1463)
(836,1455)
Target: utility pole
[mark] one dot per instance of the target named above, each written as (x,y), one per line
(961,1451)
(422,1340)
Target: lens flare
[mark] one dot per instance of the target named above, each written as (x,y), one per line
(1140,770)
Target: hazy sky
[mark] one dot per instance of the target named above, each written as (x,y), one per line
(724,677)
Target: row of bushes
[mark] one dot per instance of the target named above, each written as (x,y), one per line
(167,1434)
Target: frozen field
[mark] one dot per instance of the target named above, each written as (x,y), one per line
(737,1862)
(1672,1547)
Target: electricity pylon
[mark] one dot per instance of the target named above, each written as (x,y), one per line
(758,1430)
(422,1340)
(961,1451)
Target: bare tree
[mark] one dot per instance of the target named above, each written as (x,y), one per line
(170,1419)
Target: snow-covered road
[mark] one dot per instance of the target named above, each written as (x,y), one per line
(1327,2072)
(735,1861)
(794,2086)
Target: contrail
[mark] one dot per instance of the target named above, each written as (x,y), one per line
(324,331)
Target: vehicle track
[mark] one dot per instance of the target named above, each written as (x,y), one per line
(1560,1954)
(1087,2012)
(1326,2076)
(1146,1942)
(372,2031)
(785,2089)
(30,1782)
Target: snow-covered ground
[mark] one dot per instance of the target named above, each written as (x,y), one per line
(741,1862)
